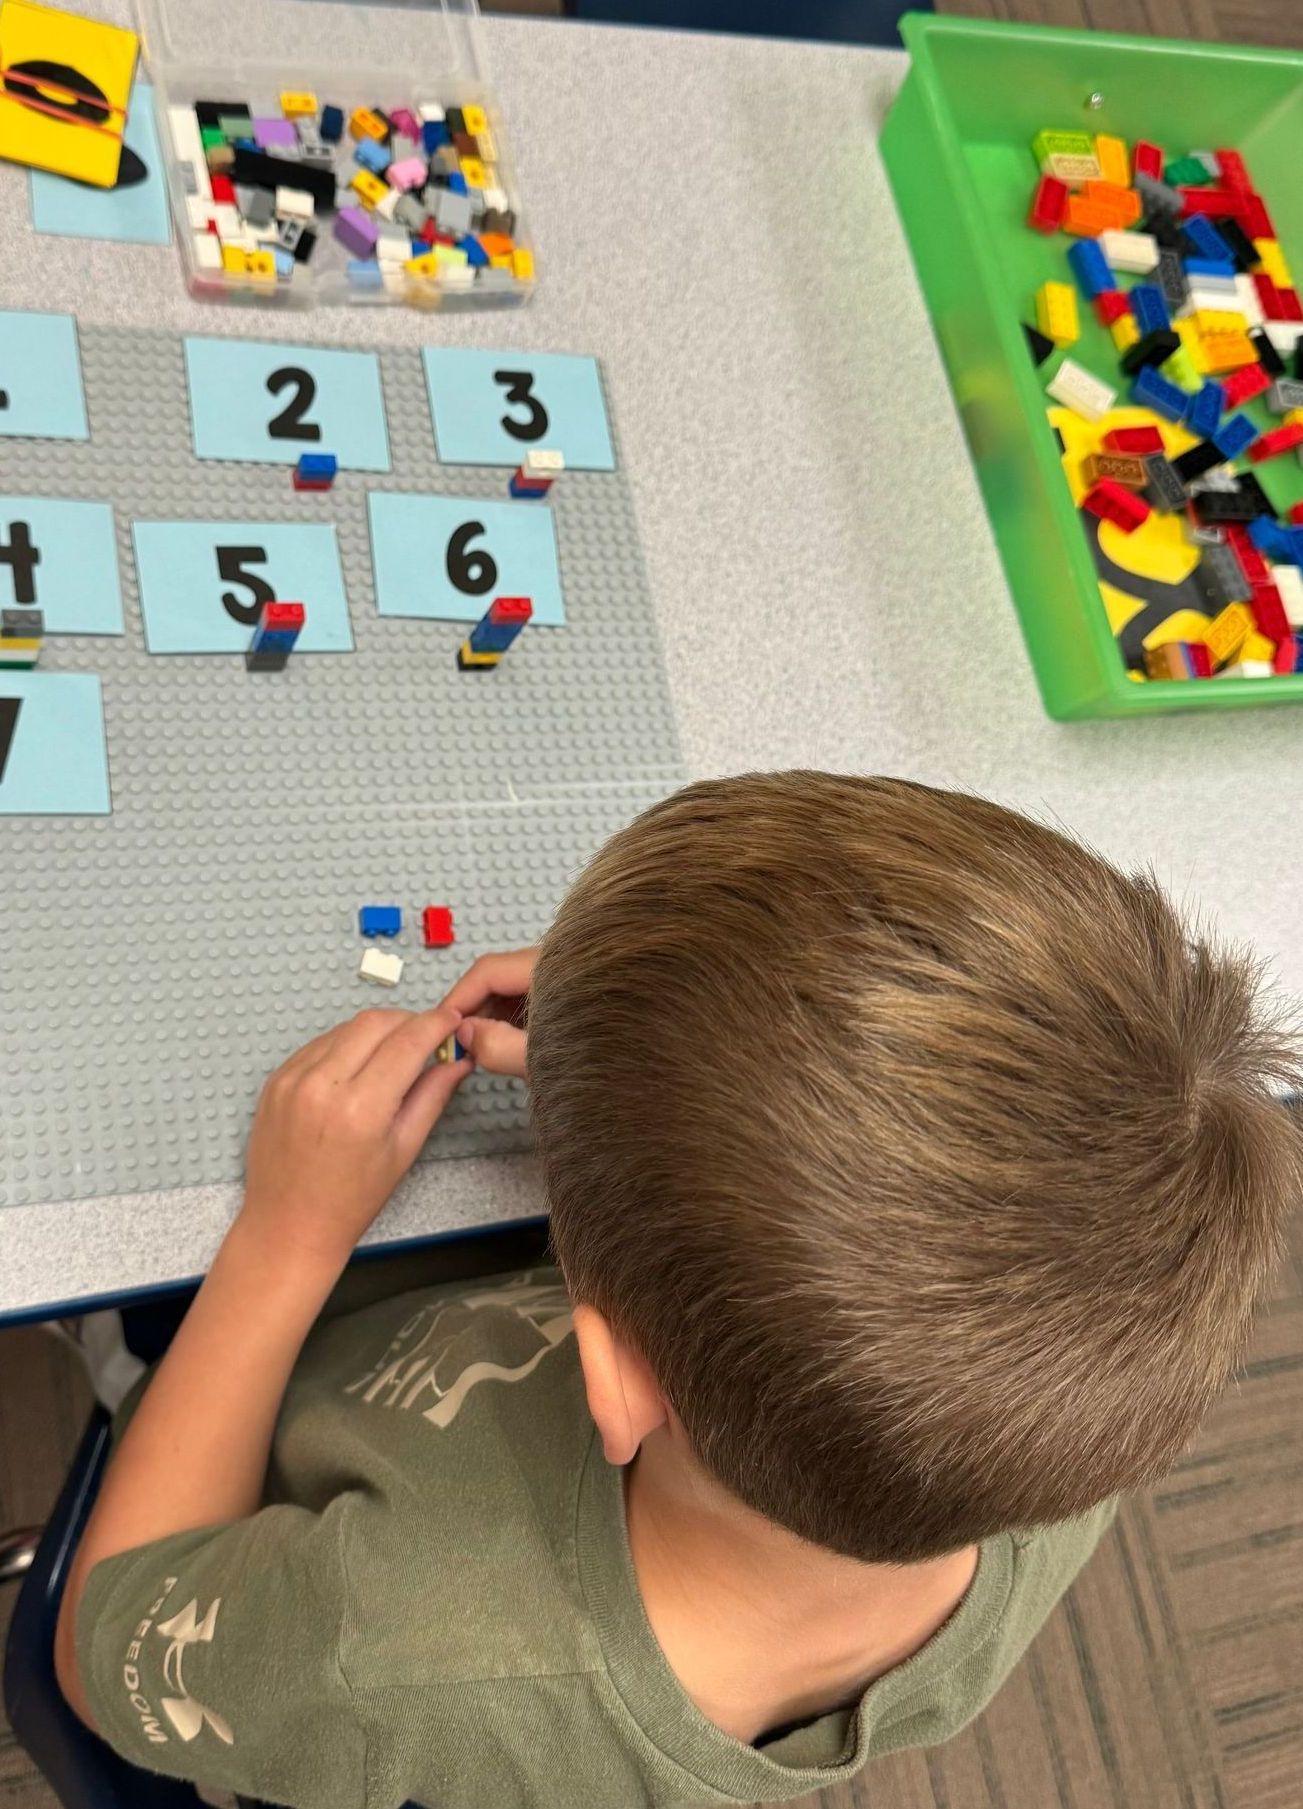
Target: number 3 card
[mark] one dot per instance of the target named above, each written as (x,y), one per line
(448,557)
(267,404)
(491,408)
(203,583)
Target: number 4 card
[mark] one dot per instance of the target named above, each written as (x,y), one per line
(267,404)
(203,583)
(491,408)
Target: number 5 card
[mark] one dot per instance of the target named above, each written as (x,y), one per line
(203,583)
(491,408)
(267,404)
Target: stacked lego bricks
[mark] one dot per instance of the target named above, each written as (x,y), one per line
(1178,260)
(411,200)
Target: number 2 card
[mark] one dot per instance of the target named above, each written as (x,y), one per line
(203,583)
(266,404)
(491,408)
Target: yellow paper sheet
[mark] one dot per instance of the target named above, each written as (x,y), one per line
(64,85)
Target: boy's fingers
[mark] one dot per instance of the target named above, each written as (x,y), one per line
(396,1061)
(492,976)
(349,1046)
(426,1099)
(496,1045)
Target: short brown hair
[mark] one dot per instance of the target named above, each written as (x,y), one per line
(932,1164)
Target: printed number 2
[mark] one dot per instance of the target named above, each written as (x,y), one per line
(518,387)
(289,423)
(22,558)
(231,561)
(9,712)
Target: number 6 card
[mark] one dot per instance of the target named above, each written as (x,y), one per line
(448,557)
(267,404)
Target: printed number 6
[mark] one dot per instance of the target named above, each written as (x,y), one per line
(231,561)
(518,388)
(473,573)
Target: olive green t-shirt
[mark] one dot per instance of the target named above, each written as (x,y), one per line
(437,1601)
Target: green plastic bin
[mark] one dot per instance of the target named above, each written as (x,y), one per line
(957,146)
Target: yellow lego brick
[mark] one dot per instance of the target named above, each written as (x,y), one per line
(1056,313)
(503,262)
(1124,332)
(1258,647)
(369,188)
(235,261)
(1183,371)
(488,146)
(363,123)
(522,267)
(425,265)
(476,119)
(1271,261)
(1225,352)
(13,644)
(473,170)
(1219,320)
(297,106)
(1227,632)
(1293,417)
(262,266)
(468,657)
(1114,164)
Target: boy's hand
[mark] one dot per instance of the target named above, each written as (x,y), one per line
(491,997)
(339,1125)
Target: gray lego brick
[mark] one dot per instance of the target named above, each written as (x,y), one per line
(158,963)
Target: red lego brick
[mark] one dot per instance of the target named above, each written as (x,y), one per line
(1048,202)
(1201,659)
(1112,503)
(1254,217)
(310,483)
(223,189)
(1110,306)
(1271,445)
(510,609)
(1215,202)
(1139,441)
(436,921)
(1246,383)
(1296,514)
(1268,295)
(1234,173)
(1286,654)
(1291,306)
(1252,563)
(283,615)
(1147,159)
(426,234)
(1269,612)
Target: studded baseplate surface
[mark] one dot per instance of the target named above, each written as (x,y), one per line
(159,962)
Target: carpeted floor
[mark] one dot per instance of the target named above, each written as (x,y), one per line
(1170,1678)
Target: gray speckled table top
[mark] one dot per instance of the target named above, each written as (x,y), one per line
(826,583)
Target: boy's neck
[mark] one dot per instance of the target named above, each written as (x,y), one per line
(760,1627)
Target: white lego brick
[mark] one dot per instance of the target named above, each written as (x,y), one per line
(495,199)
(294,204)
(456,276)
(208,252)
(262,235)
(385,206)
(1080,391)
(1247,669)
(189,146)
(381,969)
(394,278)
(1283,334)
(1246,300)
(1288,580)
(392,250)
(431,114)
(199,212)
(1136,252)
(1218,293)
(1211,160)
(230,221)
(543,464)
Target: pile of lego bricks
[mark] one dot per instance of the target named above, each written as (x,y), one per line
(1211,321)
(414,195)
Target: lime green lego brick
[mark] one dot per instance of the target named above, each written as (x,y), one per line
(1180,368)
(1049,143)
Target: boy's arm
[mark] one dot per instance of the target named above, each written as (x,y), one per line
(336,1129)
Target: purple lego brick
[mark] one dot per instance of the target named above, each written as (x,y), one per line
(357,231)
(268,132)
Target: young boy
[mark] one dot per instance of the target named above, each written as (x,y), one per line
(912,1176)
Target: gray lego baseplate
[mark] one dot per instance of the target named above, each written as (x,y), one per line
(159,962)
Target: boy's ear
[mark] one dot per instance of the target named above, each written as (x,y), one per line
(623,1396)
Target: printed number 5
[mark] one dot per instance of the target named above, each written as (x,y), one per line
(518,387)
(231,561)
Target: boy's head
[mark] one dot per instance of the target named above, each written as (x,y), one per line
(930,1163)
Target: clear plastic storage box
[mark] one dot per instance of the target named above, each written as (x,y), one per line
(350,55)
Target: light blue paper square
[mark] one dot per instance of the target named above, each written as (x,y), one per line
(561,407)
(75,576)
(134,216)
(54,757)
(418,542)
(233,410)
(41,396)
(182,587)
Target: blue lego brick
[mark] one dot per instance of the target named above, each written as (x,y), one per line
(246,144)
(1209,267)
(317,465)
(1152,390)
(1233,436)
(1090,267)
(1204,414)
(372,156)
(274,640)
(1271,538)
(493,637)
(478,258)
(434,133)
(1213,248)
(365,273)
(457,183)
(380,920)
(528,492)
(1147,305)
(332,124)
(284,260)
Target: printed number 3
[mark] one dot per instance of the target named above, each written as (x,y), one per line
(231,561)
(518,387)
(289,423)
